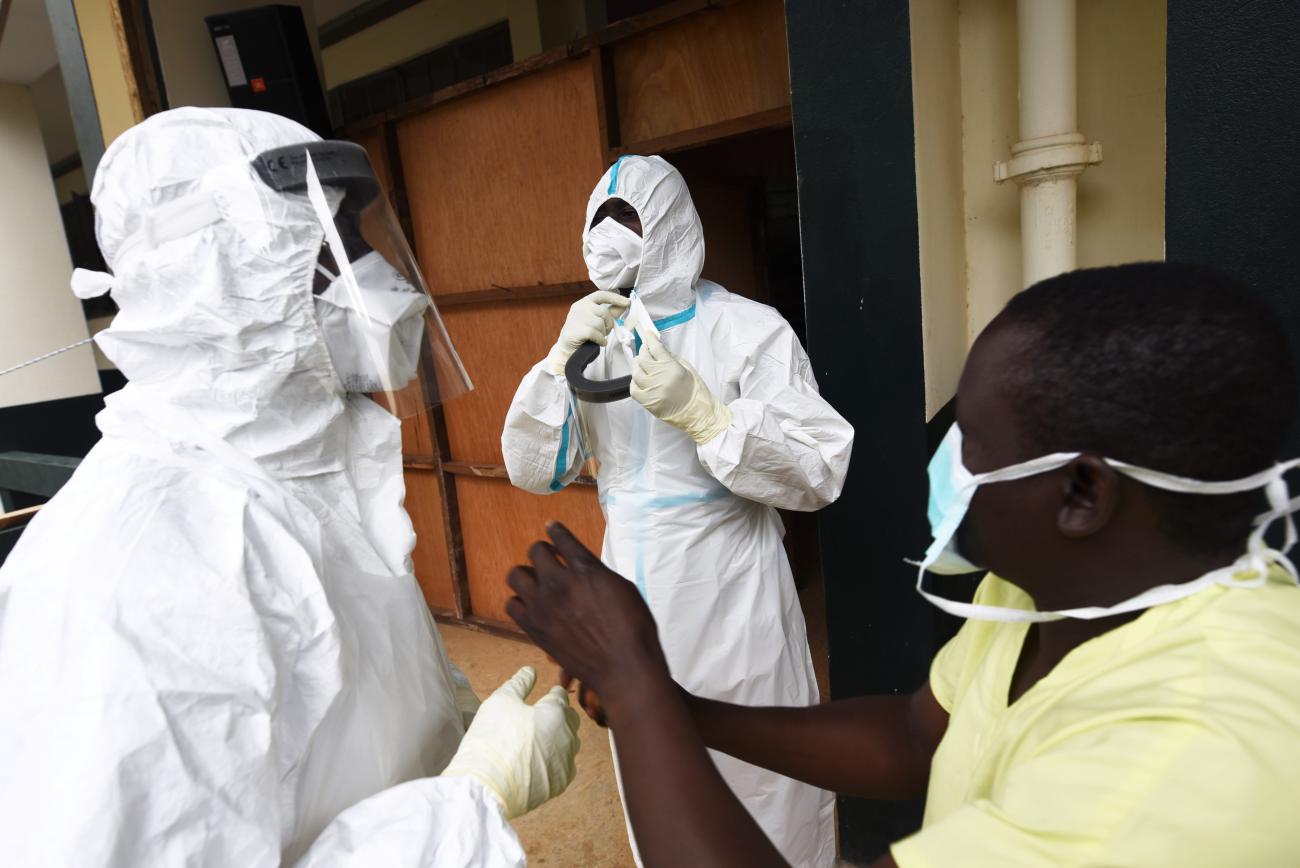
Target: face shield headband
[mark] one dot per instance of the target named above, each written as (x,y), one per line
(378,318)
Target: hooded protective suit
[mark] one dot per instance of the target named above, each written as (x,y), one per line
(696,526)
(211,642)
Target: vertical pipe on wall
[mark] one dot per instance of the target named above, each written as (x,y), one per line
(1051,153)
(1047,226)
(1048,68)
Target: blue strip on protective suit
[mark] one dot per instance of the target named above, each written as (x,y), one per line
(649,500)
(562,460)
(613,175)
(663,324)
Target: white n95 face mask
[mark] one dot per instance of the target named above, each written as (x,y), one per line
(374,339)
(613,255)
(952,487)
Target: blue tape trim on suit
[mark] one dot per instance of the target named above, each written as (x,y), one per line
(562,460)
(662,325)
(675,319)
(666,501)
(613,175)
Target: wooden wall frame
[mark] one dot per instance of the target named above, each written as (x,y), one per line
(625,29)
(136,44)
(381,132)
(436,419)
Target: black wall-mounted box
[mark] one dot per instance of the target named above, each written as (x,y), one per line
(267,63)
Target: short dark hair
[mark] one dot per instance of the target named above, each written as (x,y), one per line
(1175,367)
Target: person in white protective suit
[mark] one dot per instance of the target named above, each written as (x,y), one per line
(724,425)
(212,647)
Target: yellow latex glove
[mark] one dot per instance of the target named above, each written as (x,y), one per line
(591,318)
(524,754)
(673,391)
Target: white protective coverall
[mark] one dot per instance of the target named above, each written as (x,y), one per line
(696,527)
(211,641)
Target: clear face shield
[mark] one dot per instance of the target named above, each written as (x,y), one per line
(378,319)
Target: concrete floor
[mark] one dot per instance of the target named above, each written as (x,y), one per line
(584,827)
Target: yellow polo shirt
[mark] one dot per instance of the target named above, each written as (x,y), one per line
(1173,740)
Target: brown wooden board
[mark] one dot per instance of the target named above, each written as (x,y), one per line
(499,343)
(517,293)
(417,436)
(660,16)
(18,516)
(130,21)
(501,522)
(724,131)
(702,70)
(373,141)
(432,566)
(498,184)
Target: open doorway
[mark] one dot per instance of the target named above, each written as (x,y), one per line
(746,192)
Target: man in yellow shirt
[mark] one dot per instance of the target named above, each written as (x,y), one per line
(1126,691)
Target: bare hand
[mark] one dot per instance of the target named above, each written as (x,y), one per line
(588,618)
(587,698)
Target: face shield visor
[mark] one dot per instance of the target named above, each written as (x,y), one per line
(378,319)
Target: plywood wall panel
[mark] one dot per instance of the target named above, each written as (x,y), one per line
(703,69)
(498,342)
(498,181)
(432,568)
(373,142)
(417,435)
(501,522)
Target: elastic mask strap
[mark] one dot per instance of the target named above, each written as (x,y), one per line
(1186,485)
(1272,480)
(1282,507)
(1248,572)
(978,611)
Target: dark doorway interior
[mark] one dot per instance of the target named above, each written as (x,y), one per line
(746,191)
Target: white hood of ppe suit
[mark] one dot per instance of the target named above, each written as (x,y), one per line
(695,525)
(211,644)
(672,239)
(219,323)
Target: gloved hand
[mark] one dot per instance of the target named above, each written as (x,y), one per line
(524,754)
(591,318)
(672,390)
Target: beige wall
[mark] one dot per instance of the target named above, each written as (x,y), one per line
(190,68)
(965,97)
(432,23)
(56,119)
(40,311)
(936,96)
(1122,105)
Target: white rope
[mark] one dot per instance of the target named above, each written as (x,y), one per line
(49,355)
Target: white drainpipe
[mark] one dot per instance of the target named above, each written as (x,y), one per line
(1051,153)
